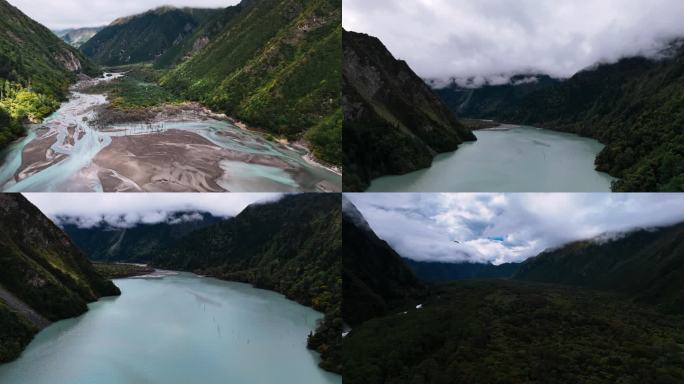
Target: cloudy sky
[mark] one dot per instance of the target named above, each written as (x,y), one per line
(465,38)
(502,228)
(128,209)
(60,14)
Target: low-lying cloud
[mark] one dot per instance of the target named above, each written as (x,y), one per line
(127,210)
(492,38)
(501,228)
(61,14)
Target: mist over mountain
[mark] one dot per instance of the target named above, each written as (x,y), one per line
(122,241)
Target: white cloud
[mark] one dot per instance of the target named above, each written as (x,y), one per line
(125,210)
(59,14)
(487,38)
(501,228)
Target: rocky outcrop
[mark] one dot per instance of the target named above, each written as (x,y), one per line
(393,122)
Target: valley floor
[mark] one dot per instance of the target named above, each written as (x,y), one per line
(182,148)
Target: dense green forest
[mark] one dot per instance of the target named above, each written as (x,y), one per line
(275,66)
(645,265)
(626,329)
(634,106)
(43,276)
(513,332)
(36,68)
(393,122)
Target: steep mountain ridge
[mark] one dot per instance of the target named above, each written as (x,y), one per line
(145,37)
(374,277)
(393,122)
(43,275)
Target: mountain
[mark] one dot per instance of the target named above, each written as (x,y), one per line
(36,68)
(633,106)
(393,122)
(138,243)
(436,272)
(275,66)
(200,37)
(144,37)
(77,36)
(515,331)
(44,277)
(292,246)
(485,102)
(646,265)
(374,277)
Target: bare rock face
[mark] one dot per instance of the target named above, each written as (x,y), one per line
(69,61)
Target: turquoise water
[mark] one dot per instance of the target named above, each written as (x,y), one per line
(177,330)
(522,159)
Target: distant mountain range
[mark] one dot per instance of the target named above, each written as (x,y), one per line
(44,277)
(544,325)
(77,36)
(633,106)
(436,272)
(394,123)
(138,243)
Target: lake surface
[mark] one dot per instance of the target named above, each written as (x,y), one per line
(522,159)
(177,329)
(69,153)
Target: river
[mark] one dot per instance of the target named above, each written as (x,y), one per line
(177,329)
(509,159)
(66,153)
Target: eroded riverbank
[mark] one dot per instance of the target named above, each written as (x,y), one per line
(182,152)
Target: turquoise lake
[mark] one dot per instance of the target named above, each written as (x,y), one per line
(520,159)
(178,329)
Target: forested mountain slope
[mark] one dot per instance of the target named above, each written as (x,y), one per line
(647,265)
(374,276)
(145,37)
(36,68)
(43,276)
(275,66)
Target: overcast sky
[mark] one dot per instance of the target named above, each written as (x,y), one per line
(61,14)
(464,38)
(133,208)
(502,228)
